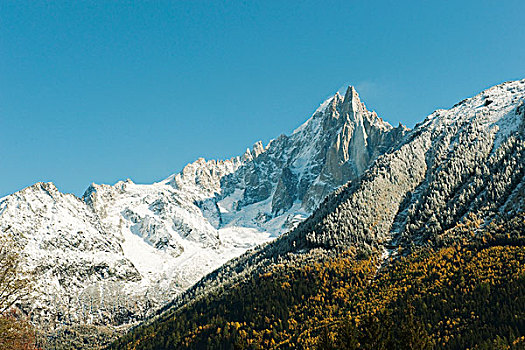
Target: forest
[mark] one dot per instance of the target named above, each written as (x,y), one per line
(465,293)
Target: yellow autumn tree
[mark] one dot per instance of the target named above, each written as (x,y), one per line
(15,331)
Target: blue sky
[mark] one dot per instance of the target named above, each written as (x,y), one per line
(99,91)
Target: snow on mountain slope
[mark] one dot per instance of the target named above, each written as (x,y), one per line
(467,160)
(465,163)
(123,250)
(286,181)
(163,221)
(65,246)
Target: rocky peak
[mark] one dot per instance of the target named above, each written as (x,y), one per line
(203,177)
(253,153)
(257,149)
(351,95)
(165,236)
(41,194)
(335,102)
(47,187)
(296,172)
(352,105)
(355,138)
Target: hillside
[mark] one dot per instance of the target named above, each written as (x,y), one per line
(458,166)
(466,295)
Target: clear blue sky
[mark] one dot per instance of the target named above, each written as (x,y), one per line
(99,91)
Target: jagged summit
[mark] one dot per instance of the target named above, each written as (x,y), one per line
(328,103)
(150,242)
(316,150)
(356,178)
(465,164)
(466,160)
(254,152)
(351,96)
(44,186)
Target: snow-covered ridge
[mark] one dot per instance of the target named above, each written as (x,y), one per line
(468,160)
(147,243)
(319,111)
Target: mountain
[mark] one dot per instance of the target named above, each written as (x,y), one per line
(446,183)
(116,254)
(469,295)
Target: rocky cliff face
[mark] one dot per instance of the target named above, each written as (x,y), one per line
(123,250)
(293,174)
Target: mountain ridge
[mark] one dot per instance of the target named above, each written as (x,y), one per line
(163,237)
(398,180)
(344,179)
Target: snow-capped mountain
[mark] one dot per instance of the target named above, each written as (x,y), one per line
(467,160)
(458,166)
(122,250)
(457,174)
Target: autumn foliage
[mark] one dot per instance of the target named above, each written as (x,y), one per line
(468,294)
(15,330)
